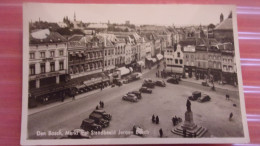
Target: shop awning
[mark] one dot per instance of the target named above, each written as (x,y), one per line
(159,56)
(154,59)
(123,70)
(141,63)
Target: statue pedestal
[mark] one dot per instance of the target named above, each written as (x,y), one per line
(192,130)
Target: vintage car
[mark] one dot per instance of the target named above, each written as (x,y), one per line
(137,130)
(173,80)
(145,90)
(89,125)
(204,98)
(79,134)
(138,94)
(205,84)
(195,95)
(99,119)
(105,115)
(160,83)
(130,97)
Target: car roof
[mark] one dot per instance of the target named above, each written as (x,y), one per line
(96,115)
(196,92)
(100,111)
(88,120)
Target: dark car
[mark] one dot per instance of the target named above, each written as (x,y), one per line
(195,95)
(138,94)
(130,97)
(205,84)
(117,82)
(173,80)
(204,98)
(160,83)
(148,84)
(105,115)
(99,120)
(89,125)
(145,90)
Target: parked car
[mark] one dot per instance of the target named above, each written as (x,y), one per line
(138,94)
(148,80)
(195,95)
(130,97)
(117,82)
(89,125)
(145,90)
(137,130)
(204,98)
(173,80)
(160,83)
(205,84)
(105,115)
(99,120)
(78,134)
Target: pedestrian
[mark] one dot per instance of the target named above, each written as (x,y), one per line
(156,74)
(62,97)
(173,121)
(103,104)
(184,132)
(97,107)
(100,103)
(230,116)
(227,97)
(153,119)
(161,132)
(157,120)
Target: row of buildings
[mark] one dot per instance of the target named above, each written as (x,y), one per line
(210,58)
(54,59)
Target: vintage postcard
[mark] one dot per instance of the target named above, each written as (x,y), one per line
(131,74)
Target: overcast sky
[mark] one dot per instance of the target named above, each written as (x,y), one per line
(167,14)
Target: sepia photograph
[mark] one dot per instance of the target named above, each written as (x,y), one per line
(131,74)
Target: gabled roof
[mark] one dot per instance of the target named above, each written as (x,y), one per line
(46,36)
(225,25)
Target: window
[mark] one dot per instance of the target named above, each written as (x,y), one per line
(105,63)
(61,65)
(187,56)
(179,54)
(52,54)
(86,66)
(230,68)
(61,53)
(176,61)
(42,54)
(191,56)
(32,55)
(198,64)
(105,52)
(180,61)
(32,69)
(52,64)
(91,66)
(42,67)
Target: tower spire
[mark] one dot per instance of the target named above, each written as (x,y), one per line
(74,16)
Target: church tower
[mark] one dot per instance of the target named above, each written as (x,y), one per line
(221,17)
(74,16)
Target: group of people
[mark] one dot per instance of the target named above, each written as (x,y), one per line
(175,120)
(160,74)
(101,105)
(155,119)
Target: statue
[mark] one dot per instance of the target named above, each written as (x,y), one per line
(188,105)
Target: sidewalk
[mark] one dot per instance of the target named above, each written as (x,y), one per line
(224,87)
(42,107)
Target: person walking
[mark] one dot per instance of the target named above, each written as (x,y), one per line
(153,119)
(102,103)
(97,107)
(161,132)
(230,116)
(157,120)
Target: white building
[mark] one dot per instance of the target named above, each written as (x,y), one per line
(174,60)
(47,58)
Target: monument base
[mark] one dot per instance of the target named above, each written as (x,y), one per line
(198,131)
(192,130)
